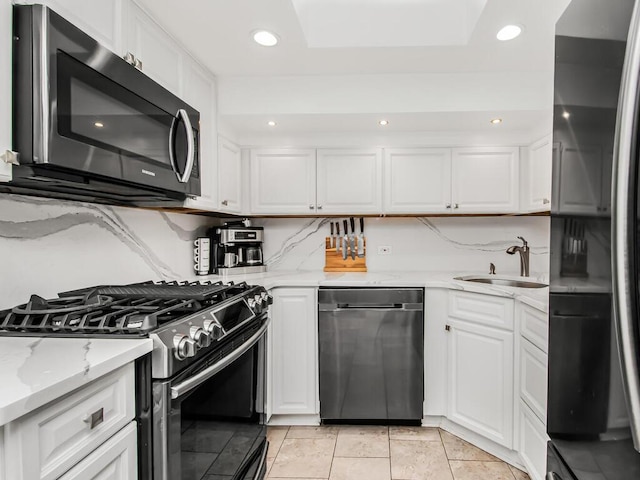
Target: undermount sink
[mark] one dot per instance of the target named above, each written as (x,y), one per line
(503,282)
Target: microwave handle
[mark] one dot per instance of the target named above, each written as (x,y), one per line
(184,177)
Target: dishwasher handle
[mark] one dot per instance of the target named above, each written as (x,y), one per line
(337,307)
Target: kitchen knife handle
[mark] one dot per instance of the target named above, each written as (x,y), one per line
(338,228)
(361,224)
(332,229)
(353,225)
(346,227)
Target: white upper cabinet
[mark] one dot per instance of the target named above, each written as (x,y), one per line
(485,180)
(5,89)
(161,57)
(283,181)
(536,176)
(200,93)
(349,181)
(229,176)
(102,20)
(580,171)
(417,180)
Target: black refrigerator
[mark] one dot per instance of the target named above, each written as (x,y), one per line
(593,408)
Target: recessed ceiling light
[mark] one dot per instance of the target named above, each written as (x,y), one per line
(566,114)
(271,123)
(264,38)
(509,32)
(496,121)
(384,122)
(98,124)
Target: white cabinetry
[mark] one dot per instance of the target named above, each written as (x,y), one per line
(480,365)
(294,352)
(115,459)
(417,180)
(536,176)
(48,442)
(532,443)
(161,57)
(229,176)
(102,20)
(349,181)
(283,181)
(5,90)
(485,180)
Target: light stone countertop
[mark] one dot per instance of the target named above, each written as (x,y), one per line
(536,297)
(37,370)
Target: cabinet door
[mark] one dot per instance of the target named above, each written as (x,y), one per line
(283,181)
(417,180)
(533,378)
(115,459)
(200,93)
(161,57)
(349,181)
(481,380)
(102,20)
(229,176)
(294,351)
(6,20)
(580,182)
(485,180)
(536,177)
(533,443)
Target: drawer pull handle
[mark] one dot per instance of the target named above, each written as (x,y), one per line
(94,419)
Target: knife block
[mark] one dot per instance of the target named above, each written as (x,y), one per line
(333,261)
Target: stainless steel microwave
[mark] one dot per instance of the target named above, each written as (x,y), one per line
(90,126)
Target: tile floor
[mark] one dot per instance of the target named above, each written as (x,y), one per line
(379,453)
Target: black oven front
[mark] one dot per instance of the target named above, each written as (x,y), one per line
(208,421)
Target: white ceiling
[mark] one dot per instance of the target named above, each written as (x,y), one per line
(310,87)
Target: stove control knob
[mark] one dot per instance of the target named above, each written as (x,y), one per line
(202,338)
(213,329)
(266,299)
(185,347)
(252,304)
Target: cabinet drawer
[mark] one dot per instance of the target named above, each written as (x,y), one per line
(48,442)
(483,309)
(533,378)
(115,459)
(534,326)
(533,443)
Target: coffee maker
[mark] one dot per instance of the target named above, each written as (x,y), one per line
(237,249)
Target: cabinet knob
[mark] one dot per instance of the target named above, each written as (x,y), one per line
(319,207)
(456,206)
(138,64)
(545,201)
(448,205)
(129,58)
(447,328)
(225,202)
(94,419)
(311,207)
(10,157)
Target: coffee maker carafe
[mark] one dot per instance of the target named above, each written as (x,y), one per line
(238,250)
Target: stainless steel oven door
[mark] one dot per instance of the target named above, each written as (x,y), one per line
(210,421)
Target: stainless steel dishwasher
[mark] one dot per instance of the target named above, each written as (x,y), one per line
(371,354)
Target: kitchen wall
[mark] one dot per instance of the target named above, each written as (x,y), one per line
(48,246)
(453,244)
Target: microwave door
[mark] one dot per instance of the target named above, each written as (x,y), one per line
(181,146)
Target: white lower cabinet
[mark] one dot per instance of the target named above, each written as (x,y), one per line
(533,443)
(116,459)
(533,378)
(481,380)
(294,352)
(51,440)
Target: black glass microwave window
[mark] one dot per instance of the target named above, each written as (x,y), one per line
(98,111)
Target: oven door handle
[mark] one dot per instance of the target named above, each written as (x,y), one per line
(192,382)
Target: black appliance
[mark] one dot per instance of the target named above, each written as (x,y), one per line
(90,126)
(237,249)
(593,411)
(200,394)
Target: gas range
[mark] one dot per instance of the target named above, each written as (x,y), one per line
(186,320)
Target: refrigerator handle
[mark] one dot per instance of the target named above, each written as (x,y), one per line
(623,224)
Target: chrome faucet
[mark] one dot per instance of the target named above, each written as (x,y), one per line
(524,256)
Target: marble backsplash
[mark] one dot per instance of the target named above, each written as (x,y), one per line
(455,244)
(49,246)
